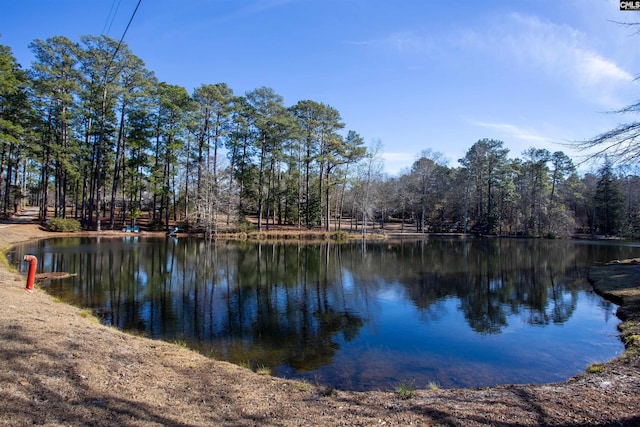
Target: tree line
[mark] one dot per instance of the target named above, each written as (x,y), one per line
(89,132)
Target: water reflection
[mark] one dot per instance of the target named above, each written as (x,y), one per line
(358,316)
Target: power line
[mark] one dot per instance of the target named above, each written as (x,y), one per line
(115,52)
(111,17)
(125,30)
(106,22)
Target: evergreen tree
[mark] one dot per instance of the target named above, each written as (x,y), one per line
(213,108)
(172,105)
(15,115)
(57,80)
(274,125)
(485,167)
(609,202)
(241,152)
(534,195)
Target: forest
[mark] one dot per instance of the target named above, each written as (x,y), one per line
(87,132)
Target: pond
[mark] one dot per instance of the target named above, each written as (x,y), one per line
(354,316)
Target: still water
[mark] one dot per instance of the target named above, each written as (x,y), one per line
(457,313)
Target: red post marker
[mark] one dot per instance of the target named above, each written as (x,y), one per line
(31,276)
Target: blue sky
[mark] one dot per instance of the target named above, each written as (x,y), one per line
(413,75)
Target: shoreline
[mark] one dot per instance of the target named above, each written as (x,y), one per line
(62,367)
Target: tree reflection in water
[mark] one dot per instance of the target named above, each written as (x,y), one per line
(309,310)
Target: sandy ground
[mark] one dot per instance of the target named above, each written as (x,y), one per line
(60,367)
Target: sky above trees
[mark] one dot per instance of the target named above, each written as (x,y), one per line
(412,74)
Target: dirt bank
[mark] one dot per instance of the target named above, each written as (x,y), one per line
(61,367)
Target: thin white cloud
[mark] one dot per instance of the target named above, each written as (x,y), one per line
(513,131)
(598,69)
(408,42)
(557,50)
(260,6)
(395,162)
(518,139)
(403,42)
(360,43)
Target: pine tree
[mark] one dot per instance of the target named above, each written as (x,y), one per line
(609,202)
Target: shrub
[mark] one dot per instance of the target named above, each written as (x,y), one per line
(263,370)
(328,391)
(245,227)
(405,391)
(340,236)
(302,385)
(87,313)
(64,225)
(595,368)
(156,226)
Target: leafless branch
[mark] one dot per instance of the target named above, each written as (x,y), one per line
(632,25)
(620,145)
